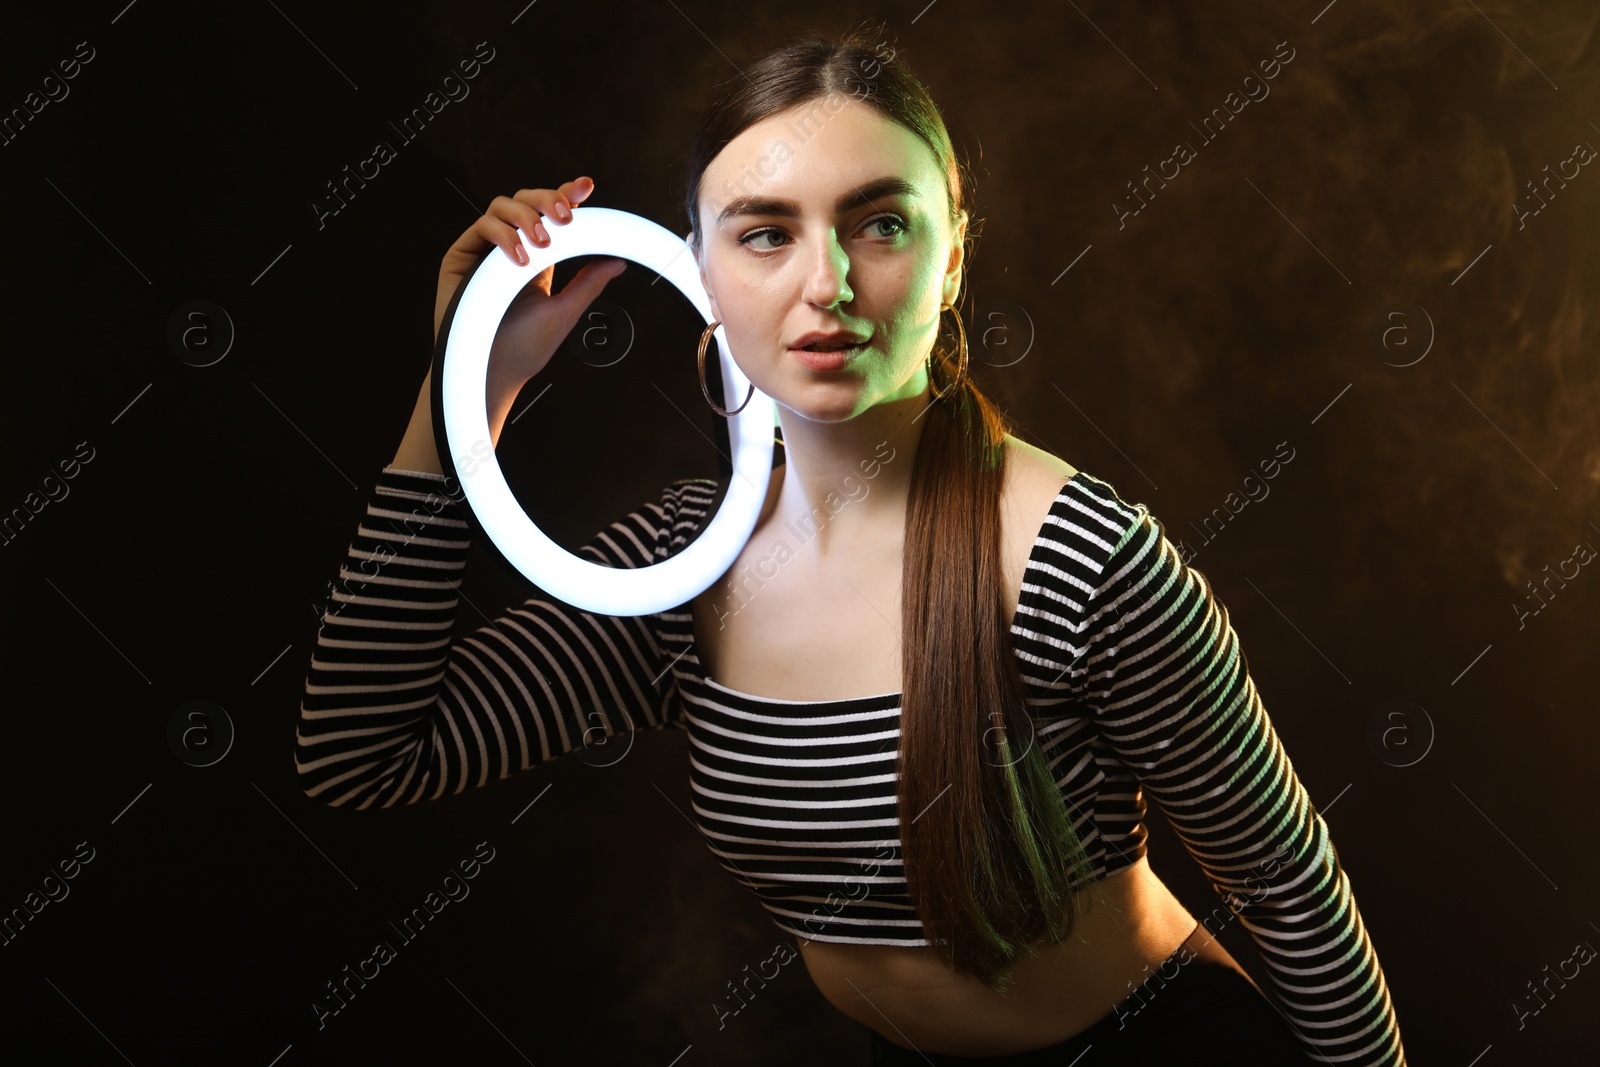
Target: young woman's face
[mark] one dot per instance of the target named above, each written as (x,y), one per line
(824,219)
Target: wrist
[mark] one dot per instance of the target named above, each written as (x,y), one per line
(502,388)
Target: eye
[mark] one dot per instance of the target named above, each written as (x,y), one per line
(899,225)
(755,235)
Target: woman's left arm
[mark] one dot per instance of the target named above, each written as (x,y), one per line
(1161,666)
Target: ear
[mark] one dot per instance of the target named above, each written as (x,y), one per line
(952,272)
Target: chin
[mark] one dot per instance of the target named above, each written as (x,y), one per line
(841,407)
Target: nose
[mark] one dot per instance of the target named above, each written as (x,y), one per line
(828,282)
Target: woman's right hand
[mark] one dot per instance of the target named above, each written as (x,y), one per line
(536,322)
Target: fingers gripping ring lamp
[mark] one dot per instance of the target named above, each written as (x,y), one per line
(461,424)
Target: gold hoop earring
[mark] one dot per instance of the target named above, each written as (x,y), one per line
(961,368)
(705,339)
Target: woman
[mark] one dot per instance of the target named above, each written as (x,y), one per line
(972,660)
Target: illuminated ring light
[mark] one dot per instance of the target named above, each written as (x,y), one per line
(461,420)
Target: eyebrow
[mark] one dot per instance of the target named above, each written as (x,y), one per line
(767,205)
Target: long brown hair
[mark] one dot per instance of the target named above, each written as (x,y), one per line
(989,850)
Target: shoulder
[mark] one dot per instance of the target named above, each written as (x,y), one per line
(693,493)
(657,528)
(1034,480)
(1032,466)
(1033,485)
(686,506)
(1047,497)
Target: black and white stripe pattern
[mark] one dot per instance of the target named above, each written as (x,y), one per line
(393,711)
(1135,675)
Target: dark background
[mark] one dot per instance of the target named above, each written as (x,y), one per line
(1438,467)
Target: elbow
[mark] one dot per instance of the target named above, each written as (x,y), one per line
(315,788)
(311,775)
(334,785)
(311,794)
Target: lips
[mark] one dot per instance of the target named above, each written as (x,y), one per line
(832,341)
(827,359)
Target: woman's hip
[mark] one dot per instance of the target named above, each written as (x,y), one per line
(1198,1007)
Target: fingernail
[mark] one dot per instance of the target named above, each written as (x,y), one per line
(522,254)
(544,235)
(562,213)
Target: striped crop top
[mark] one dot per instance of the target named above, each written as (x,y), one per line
(1135,676)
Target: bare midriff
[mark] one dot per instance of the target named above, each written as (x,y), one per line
(1127,925)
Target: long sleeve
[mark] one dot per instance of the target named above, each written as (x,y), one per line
(1170,689)
(397,709)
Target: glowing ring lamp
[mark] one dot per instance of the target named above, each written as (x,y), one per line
(461,418)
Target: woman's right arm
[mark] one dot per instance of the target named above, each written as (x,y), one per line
(393,709)
(396,710)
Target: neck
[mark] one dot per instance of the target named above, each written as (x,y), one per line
(845,484)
